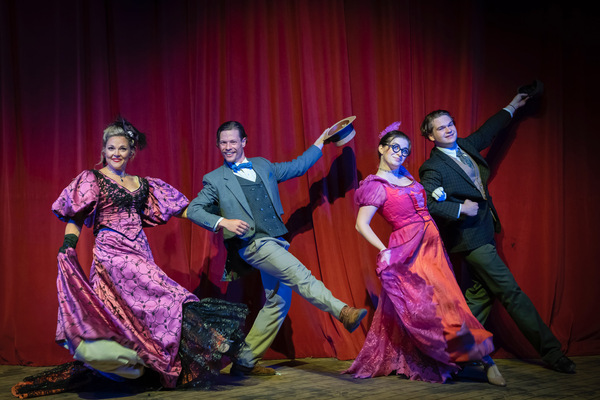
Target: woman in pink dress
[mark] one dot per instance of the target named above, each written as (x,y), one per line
(422,327)
(129,315)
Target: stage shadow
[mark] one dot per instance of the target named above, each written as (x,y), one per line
(328,189)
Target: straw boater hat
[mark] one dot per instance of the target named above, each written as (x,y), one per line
(341,132)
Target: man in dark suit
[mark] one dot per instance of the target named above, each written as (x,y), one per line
(242,198)
(455,177)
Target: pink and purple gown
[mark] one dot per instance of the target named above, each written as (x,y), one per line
(422,326)
(128,298)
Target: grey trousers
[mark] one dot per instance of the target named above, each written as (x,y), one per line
(281,273)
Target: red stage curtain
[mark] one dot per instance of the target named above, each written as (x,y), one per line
(287,70)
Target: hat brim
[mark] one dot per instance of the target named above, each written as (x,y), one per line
(341,132)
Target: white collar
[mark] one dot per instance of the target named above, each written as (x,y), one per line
(449,152)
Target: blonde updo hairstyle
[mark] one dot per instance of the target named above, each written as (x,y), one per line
(122,127)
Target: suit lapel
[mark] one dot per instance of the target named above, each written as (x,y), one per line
(472,152)
(446,159)
(484,168)
(234,187)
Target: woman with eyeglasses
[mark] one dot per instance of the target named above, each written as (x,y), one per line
(422,328)
(129,317)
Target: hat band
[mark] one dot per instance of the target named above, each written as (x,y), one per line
(342,133)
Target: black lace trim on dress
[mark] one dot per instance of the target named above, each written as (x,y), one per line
(121,198)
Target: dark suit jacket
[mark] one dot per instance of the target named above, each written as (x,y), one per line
(463,233)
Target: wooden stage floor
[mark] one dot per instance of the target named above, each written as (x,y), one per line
(320,378)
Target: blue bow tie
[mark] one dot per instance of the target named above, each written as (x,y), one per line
(239,167)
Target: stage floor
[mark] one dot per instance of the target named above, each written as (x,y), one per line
(320,378)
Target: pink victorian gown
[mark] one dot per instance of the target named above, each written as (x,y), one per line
(128,298)
(422,326)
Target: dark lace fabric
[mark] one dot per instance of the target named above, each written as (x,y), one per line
(121,199)
(65,377)
(211,328)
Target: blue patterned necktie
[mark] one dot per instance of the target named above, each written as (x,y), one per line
(239,167)
(464,158)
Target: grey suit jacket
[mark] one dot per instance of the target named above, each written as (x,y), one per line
(463,233)
(222,195)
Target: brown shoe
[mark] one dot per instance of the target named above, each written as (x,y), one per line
(351,317)
(257,370)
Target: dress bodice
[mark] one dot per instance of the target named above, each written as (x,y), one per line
(399,205)
(118,208)
(100,202)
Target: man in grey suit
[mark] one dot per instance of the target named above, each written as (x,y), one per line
(242,198)
(455,178)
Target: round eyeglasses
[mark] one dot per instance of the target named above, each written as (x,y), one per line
(397,149)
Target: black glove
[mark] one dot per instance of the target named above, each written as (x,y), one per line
(70,241)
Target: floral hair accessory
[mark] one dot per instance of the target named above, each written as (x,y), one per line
(128,129)
(392,127)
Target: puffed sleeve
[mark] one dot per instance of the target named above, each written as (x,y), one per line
(370,193)
(78,201)
(163,202)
